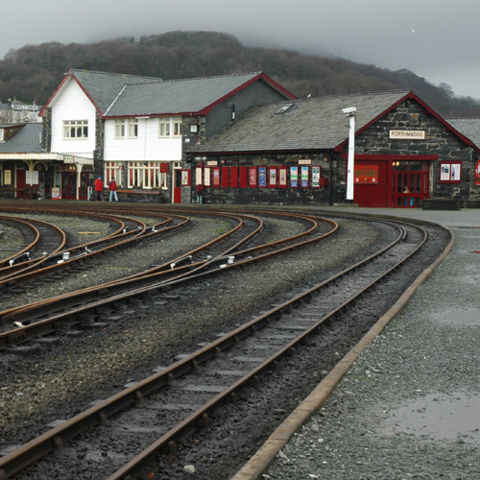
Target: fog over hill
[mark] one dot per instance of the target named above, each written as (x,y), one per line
(32,72)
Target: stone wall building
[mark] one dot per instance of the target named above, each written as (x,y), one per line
(296,152)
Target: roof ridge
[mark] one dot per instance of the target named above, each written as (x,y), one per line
(207,77)
(361,94)
(98,72)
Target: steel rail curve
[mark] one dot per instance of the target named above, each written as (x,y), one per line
(56,437)
(71,301)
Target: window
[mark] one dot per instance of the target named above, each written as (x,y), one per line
(2,134)
(132,128)
(146,175)
(126,128)
(176,130)
(75,129)
(170,127)
(119,128)
(450,172)
(113,170)
(164,128)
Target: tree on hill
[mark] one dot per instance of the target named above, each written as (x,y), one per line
(32,72)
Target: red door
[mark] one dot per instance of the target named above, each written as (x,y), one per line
(21,182)
(409,187)
(177,185)
(370,188)
(69,185)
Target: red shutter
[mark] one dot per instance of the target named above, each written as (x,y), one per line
(234,177)
(243,177)
(225,177)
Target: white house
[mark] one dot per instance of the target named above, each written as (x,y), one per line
(136,128)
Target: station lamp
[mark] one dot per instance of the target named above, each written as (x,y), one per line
(350,112)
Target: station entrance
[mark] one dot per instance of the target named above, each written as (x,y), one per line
(409,188)
(392,182)
(69,185)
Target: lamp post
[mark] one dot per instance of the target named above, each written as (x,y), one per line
(350,112)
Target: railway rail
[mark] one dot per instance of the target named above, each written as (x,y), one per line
(22,268)
(212,374)
(48,316)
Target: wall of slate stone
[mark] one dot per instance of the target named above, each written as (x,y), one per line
(325,195)
(439,140)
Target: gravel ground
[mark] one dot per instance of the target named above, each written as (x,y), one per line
(118,263)
(410,406)
(63,377)
(11,240)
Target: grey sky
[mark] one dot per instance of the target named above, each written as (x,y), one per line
(436,39)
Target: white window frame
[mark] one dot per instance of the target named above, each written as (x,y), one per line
(170,127)
(75,129)
(126,128)
(119,128)
(147,175)
(164,127)
(132,128)
(113,169)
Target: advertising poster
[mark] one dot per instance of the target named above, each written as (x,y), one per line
(282,177)
(455,169)
(216,176)
(315,177)
(56,193)
(7,177)
(445,172)
(206,177)
(185,178)
(198,176)
(272,176)
(294,177)
(252,176)
(365,174)
(304,177)
(262,177)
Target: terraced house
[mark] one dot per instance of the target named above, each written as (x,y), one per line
(136,128)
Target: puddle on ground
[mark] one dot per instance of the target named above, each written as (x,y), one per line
(467,317)
(440,417)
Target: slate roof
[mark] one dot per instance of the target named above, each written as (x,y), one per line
(310,124)
(103,87)
(26,140)
(177,96)
(470,127)
(118,95)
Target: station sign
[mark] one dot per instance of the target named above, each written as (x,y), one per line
(407,134)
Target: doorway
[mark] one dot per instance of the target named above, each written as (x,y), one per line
(409,188)
(177,185)
(20,182)
(69,185)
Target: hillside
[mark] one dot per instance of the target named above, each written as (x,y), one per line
(32,72)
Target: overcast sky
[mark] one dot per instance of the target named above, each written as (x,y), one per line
(436,39)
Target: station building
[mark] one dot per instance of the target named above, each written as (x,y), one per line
(239,138)
(295,152)
(29,172)
(135,128)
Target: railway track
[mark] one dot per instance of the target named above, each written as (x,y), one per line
(43,239)
(81,307)
(21,268)
(183,396)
